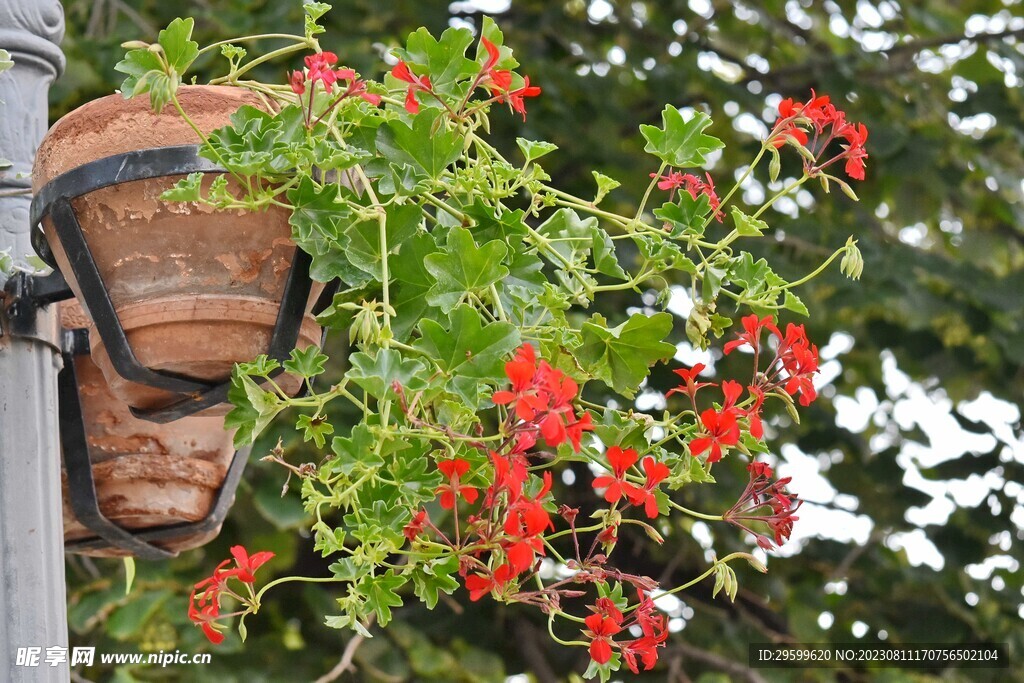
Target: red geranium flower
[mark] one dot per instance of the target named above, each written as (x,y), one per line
(720,430)
(656,473)
(515,97)
(600,630)
(416,84)
(247,565)
(454,470)
(690,385)
(497,80)
(617,486)
(480,585)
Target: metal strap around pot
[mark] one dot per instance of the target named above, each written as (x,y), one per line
(54,199)
(82,486)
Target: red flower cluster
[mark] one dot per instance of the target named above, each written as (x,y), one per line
(607,621)
(616,487)
(541,398)
(519,538)
(828,124)
(795,363)
(693,185)
(318,70)
(720,428)
(767,502)
(204,608)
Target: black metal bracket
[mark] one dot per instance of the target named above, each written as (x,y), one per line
(55,198)
(82,486)
(23,295)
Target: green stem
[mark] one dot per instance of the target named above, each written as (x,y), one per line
(233,76)
(246,39)
(811,276)
(647,194)
(692,513)
(289,579)
(746,174)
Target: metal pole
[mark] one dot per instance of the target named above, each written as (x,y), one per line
(33,611)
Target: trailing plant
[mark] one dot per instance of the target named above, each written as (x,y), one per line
(477,371)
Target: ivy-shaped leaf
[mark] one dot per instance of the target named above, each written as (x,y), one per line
(620,356)
(680,142)
(380,594)
(427,145)
(685,216)
(534,150)
(414,281)
(307,362)
(375,374)
(434,577)
(444,59)
(178,46)
(747,226)
(463,268)
(469,351)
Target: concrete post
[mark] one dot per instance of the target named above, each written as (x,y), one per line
(33,604)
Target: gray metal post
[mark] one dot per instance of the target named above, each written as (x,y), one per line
(33,605)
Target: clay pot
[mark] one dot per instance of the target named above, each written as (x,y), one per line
(196,289)
(146,474)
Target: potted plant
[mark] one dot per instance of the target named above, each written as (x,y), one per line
(196,289)
(146,475)
(477,374)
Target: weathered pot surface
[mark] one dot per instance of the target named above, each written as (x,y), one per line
(146,474)
(196,289)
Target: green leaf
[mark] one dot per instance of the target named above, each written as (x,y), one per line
(534,150)
(376,374)
(315,10)
(620,356)
(427,145)
(463,268)
(307,362)
(444,60)
(793,303)
(605,184)
(687,215)
(187,189)
(578,238)
(179,48)
(380,594)
(5,60)
(355,453)
(469,351)
(314,428)
(233,52)
(253,408)
(434,577)
(361,242)
(747,226)
(316,219)
(681,143)
(141,67)
(414,281)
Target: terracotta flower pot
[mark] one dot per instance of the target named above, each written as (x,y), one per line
(146,474)
(196,289)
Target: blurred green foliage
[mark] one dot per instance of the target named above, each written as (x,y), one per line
(941,226)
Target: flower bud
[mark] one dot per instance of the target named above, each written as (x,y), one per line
(852,265)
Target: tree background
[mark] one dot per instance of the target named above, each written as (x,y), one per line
(913,528)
